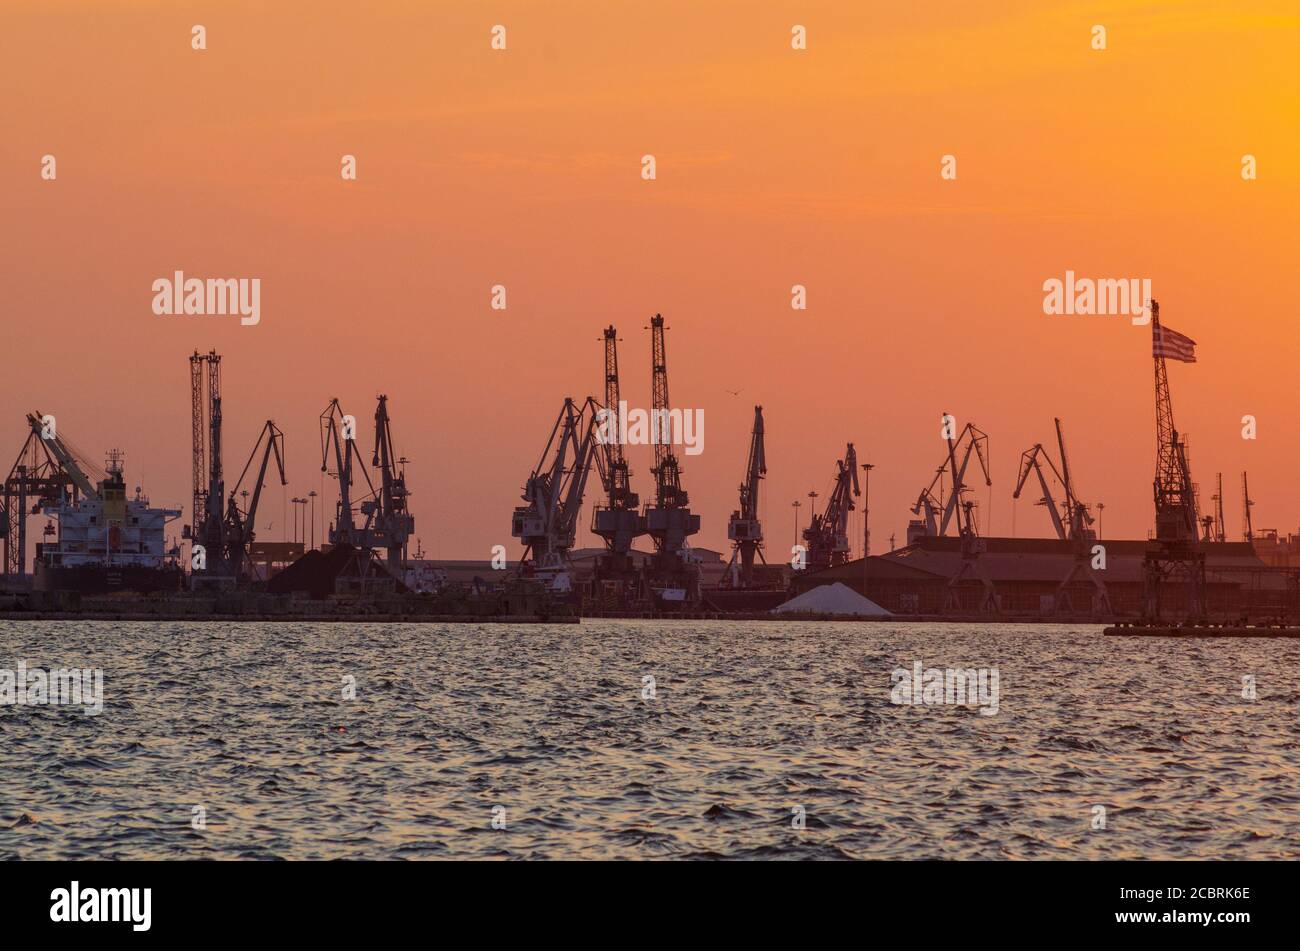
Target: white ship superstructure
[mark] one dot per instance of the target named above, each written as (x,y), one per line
(109,529)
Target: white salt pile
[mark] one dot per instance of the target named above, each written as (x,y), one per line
(835,598)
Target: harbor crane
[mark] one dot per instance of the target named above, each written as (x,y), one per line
(240,527)
(744,528)
(547,523)
(338,437)
(673,574)
(938,514)
(1073,523)
(387,523)
(391,521)
(219,526)
(963,509)
(1219,528)
(827,535)
(45,472)
(1074,520)
(1177,518)
(619,521)
(1176,555)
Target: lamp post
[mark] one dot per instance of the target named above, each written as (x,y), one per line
(312,495)
(796,503)
(866,523)
(866,508)
(299,519)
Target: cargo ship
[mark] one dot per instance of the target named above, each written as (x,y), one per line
(107,542)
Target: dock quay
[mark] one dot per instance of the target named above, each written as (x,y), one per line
(1202,630)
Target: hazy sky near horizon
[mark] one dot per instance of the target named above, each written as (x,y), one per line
(775,167)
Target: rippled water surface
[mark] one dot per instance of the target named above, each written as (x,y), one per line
(747,722)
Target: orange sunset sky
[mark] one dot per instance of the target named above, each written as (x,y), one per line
(775,167)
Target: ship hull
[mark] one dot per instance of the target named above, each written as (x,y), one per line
(106,579)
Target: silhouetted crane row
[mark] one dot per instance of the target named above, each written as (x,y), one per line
(547,523)
(744,529)
(827,535)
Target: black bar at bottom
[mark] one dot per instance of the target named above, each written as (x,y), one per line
(332,900)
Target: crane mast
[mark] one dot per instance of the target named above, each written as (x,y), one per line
(199,363)
(744,528)
(1220,531)
(672,573)
(1175,554)
(669,493)
(208,528)
(1176,515)
(618,488)
(619,521)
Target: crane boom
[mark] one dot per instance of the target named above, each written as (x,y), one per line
(1247,529)
(67,459)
